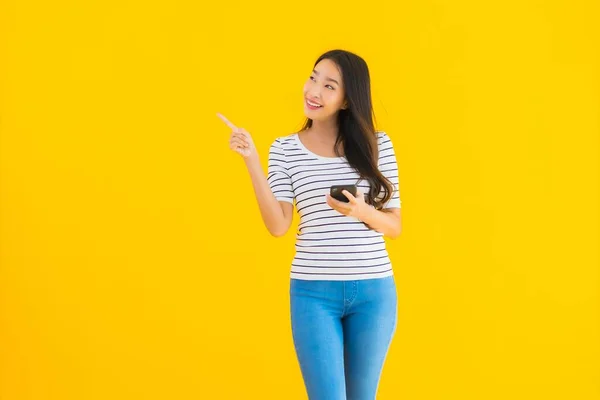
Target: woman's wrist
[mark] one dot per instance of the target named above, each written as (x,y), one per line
(367,214)
(252,161)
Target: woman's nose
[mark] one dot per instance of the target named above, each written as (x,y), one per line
(314,94)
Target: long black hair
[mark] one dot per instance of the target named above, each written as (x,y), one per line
(357,134)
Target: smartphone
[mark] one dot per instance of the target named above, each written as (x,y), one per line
(336,192)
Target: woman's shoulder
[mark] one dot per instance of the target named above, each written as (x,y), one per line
(381,134)
(382,138)
(287,137)
(284,142)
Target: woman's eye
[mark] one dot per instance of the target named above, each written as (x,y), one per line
(312,78)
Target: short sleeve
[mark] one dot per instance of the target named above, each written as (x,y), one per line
(277,174)
(388,166)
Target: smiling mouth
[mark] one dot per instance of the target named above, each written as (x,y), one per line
(312,106)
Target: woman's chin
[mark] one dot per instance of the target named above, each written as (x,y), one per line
(313,114)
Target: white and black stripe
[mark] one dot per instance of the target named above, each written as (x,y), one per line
(330,245)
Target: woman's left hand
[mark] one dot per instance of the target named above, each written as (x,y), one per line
(357,207)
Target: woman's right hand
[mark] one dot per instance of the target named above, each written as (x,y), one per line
(277,215)
(240,140)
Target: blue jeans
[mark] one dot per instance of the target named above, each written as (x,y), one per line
(342,331)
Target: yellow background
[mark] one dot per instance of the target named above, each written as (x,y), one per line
(134,263)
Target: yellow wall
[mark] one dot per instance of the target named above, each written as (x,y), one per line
(134,263)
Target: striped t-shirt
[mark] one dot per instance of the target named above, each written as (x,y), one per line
(330,245)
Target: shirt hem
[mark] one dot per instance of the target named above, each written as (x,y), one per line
(344,277)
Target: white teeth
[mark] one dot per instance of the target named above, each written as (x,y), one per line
(313,104)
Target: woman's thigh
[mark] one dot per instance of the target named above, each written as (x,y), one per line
(317,332)
(368,329)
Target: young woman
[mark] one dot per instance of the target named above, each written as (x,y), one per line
(342,289)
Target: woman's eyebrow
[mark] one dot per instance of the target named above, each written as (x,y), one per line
(326,78)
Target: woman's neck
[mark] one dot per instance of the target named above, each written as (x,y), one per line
(325,130)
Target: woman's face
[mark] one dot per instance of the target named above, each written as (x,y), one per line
(325,88)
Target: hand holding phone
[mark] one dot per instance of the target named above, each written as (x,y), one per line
(336,192)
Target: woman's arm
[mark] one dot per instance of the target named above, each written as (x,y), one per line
(277,215)
(387,221)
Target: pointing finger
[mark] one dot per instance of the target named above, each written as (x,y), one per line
(229,124)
